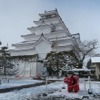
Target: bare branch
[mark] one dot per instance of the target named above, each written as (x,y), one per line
(87,48)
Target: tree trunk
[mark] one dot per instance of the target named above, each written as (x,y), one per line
(80,64)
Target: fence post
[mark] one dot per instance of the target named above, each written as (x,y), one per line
(89,90)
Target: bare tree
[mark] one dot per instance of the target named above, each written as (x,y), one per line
(87,48)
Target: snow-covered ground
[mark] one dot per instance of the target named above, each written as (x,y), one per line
(17,82)
(53,90)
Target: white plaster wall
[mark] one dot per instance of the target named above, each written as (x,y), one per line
(19,53)
(26,69)
(49,21)
(55,35)
(43,30)
(33,68)
(20,47)
(59,27)
(65,44)
(43,48)
(58,49)
(30,38)
(29,69)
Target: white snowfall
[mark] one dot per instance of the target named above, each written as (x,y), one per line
(53,89)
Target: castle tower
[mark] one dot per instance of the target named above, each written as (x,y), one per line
(49,34)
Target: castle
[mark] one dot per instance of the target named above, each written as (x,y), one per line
(49,34)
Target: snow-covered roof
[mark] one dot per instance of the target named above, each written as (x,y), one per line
(52,12)
(95,59)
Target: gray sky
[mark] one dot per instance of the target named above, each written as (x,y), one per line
(80,16)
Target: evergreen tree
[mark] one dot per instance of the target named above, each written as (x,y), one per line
(56,61)
(5,62)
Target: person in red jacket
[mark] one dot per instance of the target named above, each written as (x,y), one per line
(68,80)
(72,81)
(75,83)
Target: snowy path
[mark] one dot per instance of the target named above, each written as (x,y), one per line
(20,82)
(54,90)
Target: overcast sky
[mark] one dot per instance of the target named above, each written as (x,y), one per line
(80,16)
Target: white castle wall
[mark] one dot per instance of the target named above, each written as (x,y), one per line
(28,69)
(21,53)
(48,21)
(22,47)
(43,48)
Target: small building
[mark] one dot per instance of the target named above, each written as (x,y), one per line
(95,64)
